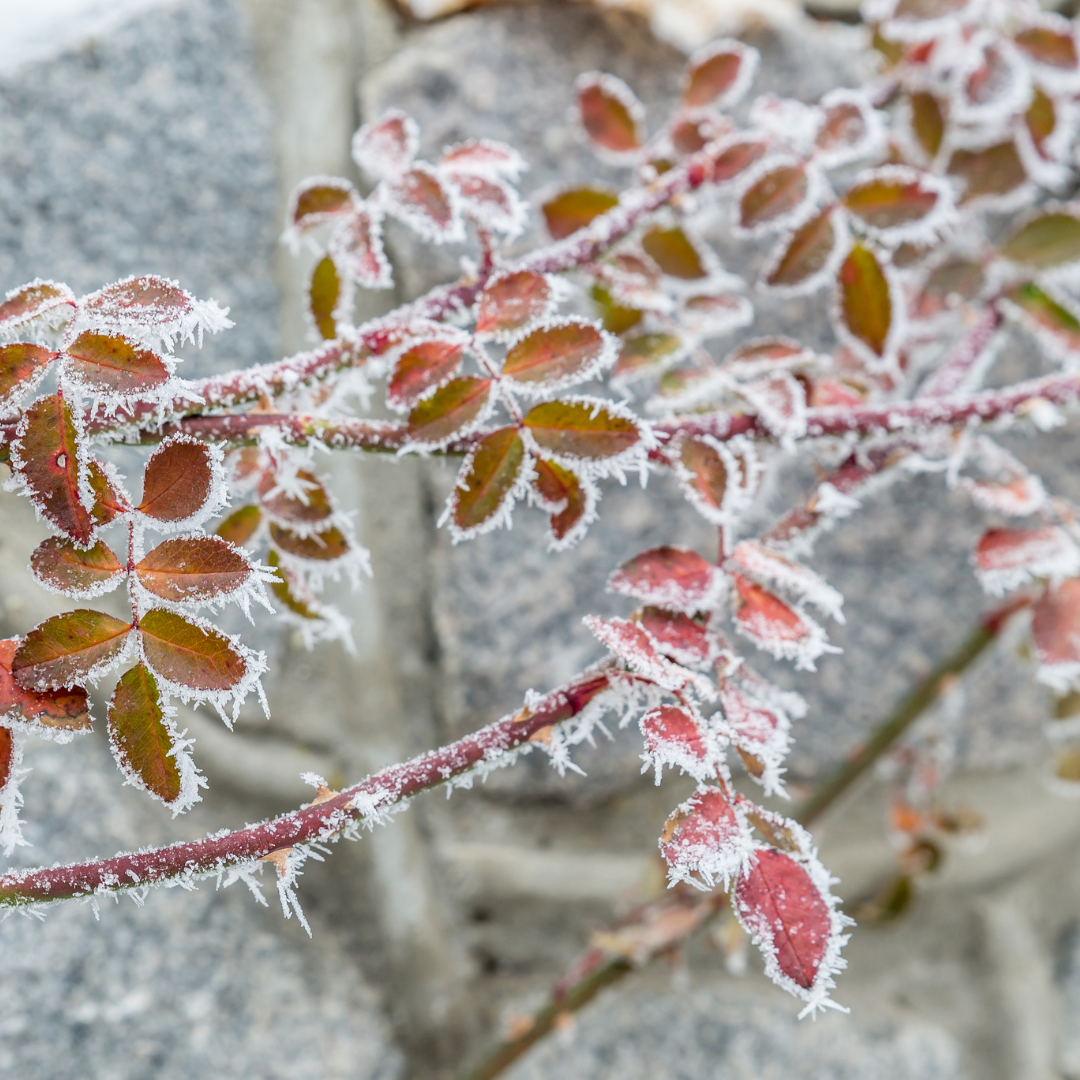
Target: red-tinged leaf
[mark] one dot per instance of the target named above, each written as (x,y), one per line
(386,147)
(182,652)
(843,127)
(1054,48)
(240,526)
(706,473)
(482,156)
(571,210)
(450,410)
(49,466)
(304,501)
(511,301)
(322,546)
(555,354)
(21,366)
(736,159)
(785,912)
(828,393)
(1045,314)
(710,315)
(289,591)
(33,301)
(57,710)
(424,202)
(997,170)
(140,737)
(615,317)
(635,648)
(152,301)
(68,649)
(927,122)
(58,564)
(487,479)
(645,354)
(177,481)
(677,635)
(490,202)
(108,501)
(324,292)
(689,136)
(751,721)
(889,198)
(669,727)
(670,577)
(717,74)
(317,201)
(779,400)
(1055,624)
(563,494)
(1051,239)
(429,364)
(704,839)
(112,364)
(193,568)
(7,757)
(357,249)
(773,197)
(609,112)
(1018,497)
(674,252)
(765,617)
(805,254)
(764,355)
(581,429)
(1008,558)
(865,304)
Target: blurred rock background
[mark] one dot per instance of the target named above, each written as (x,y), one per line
(166,139)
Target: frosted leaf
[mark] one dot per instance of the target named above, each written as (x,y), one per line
(316,622)
(671,577)
(764,356)
(761,733)
(316,201)
(869,308)
(356,246)
(991,83)
(688,641)
(775,627)
(899,204)
(917,20)
(849,129)
(719,478)
(493,477)
(58,715)
(1018,497)
(784,901)
(556,354)
(719,74)
(386,147)
(677,738)
(1008,558)
(712,315)
(706,841)
(787,120)
(512,300)
(808,257)
(780,403)
(483,157)
(633,280)
(777,193)
(39,303)
(184,484)
(430,206)
(490,203)
(1048,43)
(610,115)
(770,567)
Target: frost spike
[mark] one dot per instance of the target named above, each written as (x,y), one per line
(68,650)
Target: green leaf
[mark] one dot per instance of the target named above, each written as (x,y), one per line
(177,480)
(323,296)
(487,479)
(865,303)
(1047,314)
(192,568)
(108,501)
(425,365)
(49,466)
(140,738)
(555,353)
(615,318)
(512,301)
(581,429)
(68,649)
(21,365)
(645,353)
(674,252)
(58,564)
(805,253)
(112,364)
(773,196)
(239,527)
(1048,240)
(57,710)
(449,411)
(927,122)
(574,209)
(1041,118)
(182,652)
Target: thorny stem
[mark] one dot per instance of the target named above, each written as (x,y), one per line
(597,970)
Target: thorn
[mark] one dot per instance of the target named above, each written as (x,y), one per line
(542,735)
(323,794)
(279,858)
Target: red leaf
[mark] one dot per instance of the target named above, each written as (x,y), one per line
(571,210)
(1042,551)
(717,75)
(34,300)
(774,196)
(290,506)
(239,527)
(710,315)
(356,247)
(420,199)
(610,113)
(140,738)
(674,252)
(320,200)
(64,710)
(429,364)
(804,254)
(669,577)
(563,494)
(736,159)
(324,292)
(489,202)
(112,364)
(754,725)
(21,366)
(581,429)
(668,726)
(182,652)
(843,127)
(865,304)
(7,757)
(177,481)
(48,462)
(386,147)
(487,479)
(149,300)
(1055,624)
(193,568)
(706,474)
(450,411)
(704,839)
(556,354)
(677,635)
(58,564)
(778,902)
(483,156)
(68,649)
(634,647)
(322,546)
(510,301)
